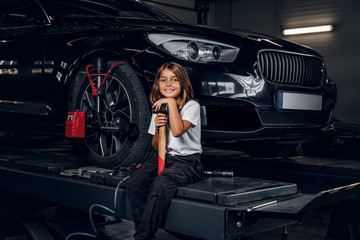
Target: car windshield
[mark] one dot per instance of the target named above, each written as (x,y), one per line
(110,8)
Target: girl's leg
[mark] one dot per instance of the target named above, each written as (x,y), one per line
(179,171)
(137,187)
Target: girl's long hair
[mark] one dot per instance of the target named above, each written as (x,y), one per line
(187,92)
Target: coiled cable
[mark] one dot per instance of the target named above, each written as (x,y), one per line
(90,214)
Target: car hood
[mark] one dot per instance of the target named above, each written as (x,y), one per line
(265,39)
(233,37)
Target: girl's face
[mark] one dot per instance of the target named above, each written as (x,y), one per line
(169,84)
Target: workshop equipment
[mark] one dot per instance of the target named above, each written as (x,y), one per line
(162,140)
(99,66)
(233,207)
(75,124)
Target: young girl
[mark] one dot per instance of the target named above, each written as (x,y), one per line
(150,194)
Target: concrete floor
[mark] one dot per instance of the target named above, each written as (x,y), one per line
(64,221)
(314,227)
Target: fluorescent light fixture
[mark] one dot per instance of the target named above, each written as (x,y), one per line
(306,30)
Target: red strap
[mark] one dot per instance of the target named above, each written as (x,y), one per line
(90,75)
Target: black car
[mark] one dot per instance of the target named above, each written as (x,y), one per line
(99,57)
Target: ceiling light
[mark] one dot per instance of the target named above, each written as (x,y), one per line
(306,30)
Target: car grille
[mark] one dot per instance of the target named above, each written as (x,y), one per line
(291,69)
(273,117)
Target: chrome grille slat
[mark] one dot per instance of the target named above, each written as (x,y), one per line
(272,63)
(291,69)
(288,74)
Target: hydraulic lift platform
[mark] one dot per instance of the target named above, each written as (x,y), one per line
(213,208)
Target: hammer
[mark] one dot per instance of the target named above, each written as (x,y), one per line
(162,140)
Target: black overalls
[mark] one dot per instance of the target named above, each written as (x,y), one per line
(150,195)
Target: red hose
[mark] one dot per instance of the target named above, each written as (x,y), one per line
(90,75)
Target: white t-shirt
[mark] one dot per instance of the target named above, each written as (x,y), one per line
(190,141)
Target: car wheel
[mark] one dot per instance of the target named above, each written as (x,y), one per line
(116,121)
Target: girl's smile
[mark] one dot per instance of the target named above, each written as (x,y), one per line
(169,84)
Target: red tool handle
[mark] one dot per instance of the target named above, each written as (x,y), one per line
(162,139)
(161,148)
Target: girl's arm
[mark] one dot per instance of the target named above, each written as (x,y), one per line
(177,125)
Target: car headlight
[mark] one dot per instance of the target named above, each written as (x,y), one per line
(194,49)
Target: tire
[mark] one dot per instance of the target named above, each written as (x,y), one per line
(116,135)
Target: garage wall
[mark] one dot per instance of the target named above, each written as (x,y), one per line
(340,48)
(252,15)
(184,10)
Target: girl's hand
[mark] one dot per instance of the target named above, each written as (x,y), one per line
(177,125)
(171,102)
(160,120)
(156,106)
